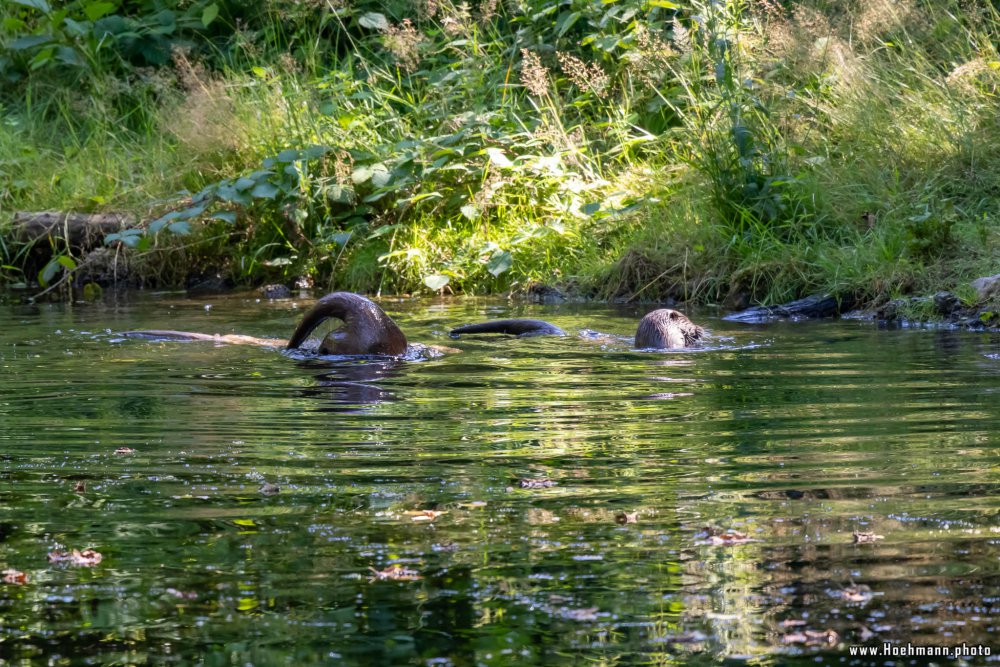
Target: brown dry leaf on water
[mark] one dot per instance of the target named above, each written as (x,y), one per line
(866,538)
(720,537)
(627,517)
(15,577)
(812,638)
(394,572)
(540,483)
(587,614)
(269,489)
(77,558)
(181,595)
(124,451)
(856,593)
(80,487)
(424,515)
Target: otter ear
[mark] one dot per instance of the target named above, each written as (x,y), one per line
(674,315)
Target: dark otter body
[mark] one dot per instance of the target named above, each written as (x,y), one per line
(666,329)
(367,329)
(662,329)
(518,327)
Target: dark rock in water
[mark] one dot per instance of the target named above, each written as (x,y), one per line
(208,284)
(540,293)
(275,291)
(812,307)
(987,287)
(946,303)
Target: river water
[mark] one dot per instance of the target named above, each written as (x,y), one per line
(557,501)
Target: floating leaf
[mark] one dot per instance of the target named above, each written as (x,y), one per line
(436,281)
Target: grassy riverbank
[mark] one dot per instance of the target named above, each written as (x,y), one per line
(744,150)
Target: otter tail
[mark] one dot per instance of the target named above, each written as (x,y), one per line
(517,327)
(367,329)
(168,334)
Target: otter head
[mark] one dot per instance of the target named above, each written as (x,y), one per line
(366,329)
(667,329)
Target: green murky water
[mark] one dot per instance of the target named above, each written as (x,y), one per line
(792,435)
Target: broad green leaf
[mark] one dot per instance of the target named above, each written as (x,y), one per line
(67,261)
(210,13)
(339,194)
(380,175)
(289,155)
(95,10)
(341,238)
(181,227)
(40,5)
(225,216)
(361,175)
(384,229)
(500,262)
(29,42)
(264,191)
(244,183)
(48,272)
(436,281)
(666,4)
(590,209)
(498,158)
(374,21)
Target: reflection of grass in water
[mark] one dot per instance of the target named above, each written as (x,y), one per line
(792,444)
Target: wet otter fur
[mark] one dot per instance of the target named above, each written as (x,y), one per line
(663,329)
(516,327)
(367,330)
(667,329)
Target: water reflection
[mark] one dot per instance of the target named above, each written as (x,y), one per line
(747,468)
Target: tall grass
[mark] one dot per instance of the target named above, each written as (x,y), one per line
(729,151)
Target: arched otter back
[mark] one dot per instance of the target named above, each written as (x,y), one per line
(516,327)
(367,329)
(667,329)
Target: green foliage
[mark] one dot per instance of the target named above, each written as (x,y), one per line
(692,149)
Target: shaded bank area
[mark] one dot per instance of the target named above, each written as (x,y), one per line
(723,152)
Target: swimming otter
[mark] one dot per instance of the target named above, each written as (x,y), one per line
(367,330)
(515,327)
(663,329)
(667,329)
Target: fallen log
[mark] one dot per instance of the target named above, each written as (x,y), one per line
(80,230)
(816,306)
